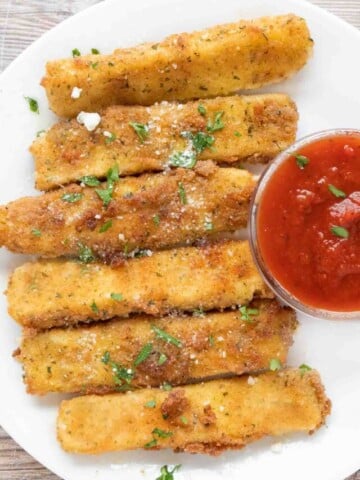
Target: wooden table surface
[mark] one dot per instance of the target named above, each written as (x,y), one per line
(21,22)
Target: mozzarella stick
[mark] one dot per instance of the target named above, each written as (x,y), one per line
(148,212)
(176,350)
(139,139)
(52,293)
(216,61)
(205,418)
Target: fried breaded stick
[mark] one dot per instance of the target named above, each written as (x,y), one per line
(74,360)
(252,128)
(205,418)
(144,212)
(45,294)
(215,61)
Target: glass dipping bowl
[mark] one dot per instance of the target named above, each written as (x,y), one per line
(285,295)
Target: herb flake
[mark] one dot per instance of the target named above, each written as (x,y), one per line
(162,335)
(215,124)
(85,253)
(75,52)
(201,109)
(274,364)
(247,313)
(182,193)
(150,404)
(166,474)
(336,191)
(33,104)
(71,197)
(301,161)
(143,354)
(36,232)
(141,130)
(339,231)
(105,226)
(90,181)
(117,297)
(185,159)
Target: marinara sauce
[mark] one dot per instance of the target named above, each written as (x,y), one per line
(308,223)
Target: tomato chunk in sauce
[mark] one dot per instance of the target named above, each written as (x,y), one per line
(308,224)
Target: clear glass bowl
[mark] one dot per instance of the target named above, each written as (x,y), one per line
(274,284)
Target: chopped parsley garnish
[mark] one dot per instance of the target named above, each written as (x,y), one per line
(184,420)
(247,313)
(94,307)
(117,297)
(150,404)
(36,232)
(162,359)
(336,192)
(156,219)
(202,140)
(94,64)
(211,340)
(166,474)
(71,197)
(33,104)
(111,137)
(75,52)
(301,161)
(122,376)
(90,181)
(237,134)
(106,193)
(185,159)
(198,312)
(304,368)
(166,336)
(40,132)
(182,193)
(95,51)
(105,226)
(151,444)
(274,364)
(161,433)
(85,254)
(141,129)
(208,226)
(339,231)
(201,109)
(167,386)
(215,124)
(143,354)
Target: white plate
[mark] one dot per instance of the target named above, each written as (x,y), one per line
(327,95)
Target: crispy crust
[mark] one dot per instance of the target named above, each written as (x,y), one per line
(264,125)
(276,404)
(216,61)
(146,212)
(52,293)
(212,345)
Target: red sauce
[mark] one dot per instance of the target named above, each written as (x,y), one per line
(296,219)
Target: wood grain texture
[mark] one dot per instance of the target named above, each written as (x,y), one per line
(21,22)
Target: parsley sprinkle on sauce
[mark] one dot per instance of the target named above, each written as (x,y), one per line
(33,104)
(141,130)
(336,192)
(339,231)
(301,161)
(307,224)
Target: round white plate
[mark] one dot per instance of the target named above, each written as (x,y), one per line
(327,95)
